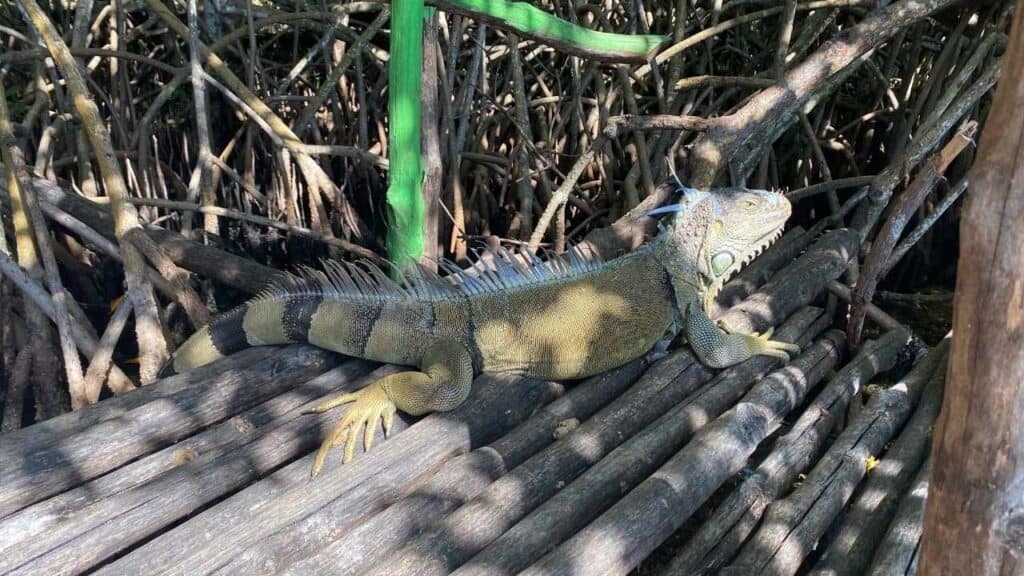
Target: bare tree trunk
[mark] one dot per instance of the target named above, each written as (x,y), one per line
(974,520)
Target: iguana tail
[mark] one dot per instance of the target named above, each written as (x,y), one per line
(263,321)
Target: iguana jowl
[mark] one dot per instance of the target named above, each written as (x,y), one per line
(569,317)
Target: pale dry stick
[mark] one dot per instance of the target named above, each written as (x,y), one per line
(202,186)
(615,126)
(785,36)
(153,351)
(316,179)
(79,37)
(100,363)
(15,161)
(708,81)
(897,217)
(190,302)
(44,372)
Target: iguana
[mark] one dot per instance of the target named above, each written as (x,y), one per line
(568,317)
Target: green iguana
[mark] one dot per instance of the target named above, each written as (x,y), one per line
(568,317)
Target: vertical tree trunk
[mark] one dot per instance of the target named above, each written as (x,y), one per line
(974,523)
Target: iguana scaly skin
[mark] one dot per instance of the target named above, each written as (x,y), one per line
(569,317)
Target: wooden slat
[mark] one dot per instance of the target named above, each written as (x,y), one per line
(141,430)
(74,531)
(360,488)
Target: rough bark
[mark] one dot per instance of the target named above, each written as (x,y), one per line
(974,522)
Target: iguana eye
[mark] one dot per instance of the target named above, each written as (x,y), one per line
(721,262)
(749,203)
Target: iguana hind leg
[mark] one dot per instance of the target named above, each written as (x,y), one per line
(443,384)
(719,349)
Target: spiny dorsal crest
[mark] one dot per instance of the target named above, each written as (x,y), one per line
(494,270)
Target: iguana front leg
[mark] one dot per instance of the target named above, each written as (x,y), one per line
(719,349)
(443,384)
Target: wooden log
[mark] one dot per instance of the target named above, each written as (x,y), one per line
(463,478)
(16,444)
(864,525)
(792,527)
(361,487)
(898,553)
(721,535)
(313,534)
(78,529)
(974,522)
(620,538)
(599,487)
(143,429)
(478,522)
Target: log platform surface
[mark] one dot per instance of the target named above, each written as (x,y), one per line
(760,468)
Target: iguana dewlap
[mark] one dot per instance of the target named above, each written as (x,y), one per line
(569,317)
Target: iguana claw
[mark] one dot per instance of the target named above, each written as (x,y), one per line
(761,344)
(369,405)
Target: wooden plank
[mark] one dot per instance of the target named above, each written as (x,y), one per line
(862,528)
(73,531)
(617,473)
(361,488)
(898,553)
(15,445)
(312,535)
(792,526)
(143,429)
(620,538)
(737,516)
(625,534)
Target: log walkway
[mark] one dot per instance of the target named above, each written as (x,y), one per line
(760,468)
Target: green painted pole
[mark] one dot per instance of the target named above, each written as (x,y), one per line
(407,229)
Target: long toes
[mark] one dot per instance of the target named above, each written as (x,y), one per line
(370,432)
(776,354)
(332,437)
(388,420)
(333,403)
(792,348)
(350,442)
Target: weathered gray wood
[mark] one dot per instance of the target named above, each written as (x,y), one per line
(14,445)
(721,535)
(626,533)
(478,522)
(314,534)
(143,429)
(898,553)
(361,487)
(863,527)
(118,508)
(626,466)
(792,527)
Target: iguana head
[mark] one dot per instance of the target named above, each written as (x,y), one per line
(711,235)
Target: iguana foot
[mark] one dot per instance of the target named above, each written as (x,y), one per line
(369,405)
(761,344)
